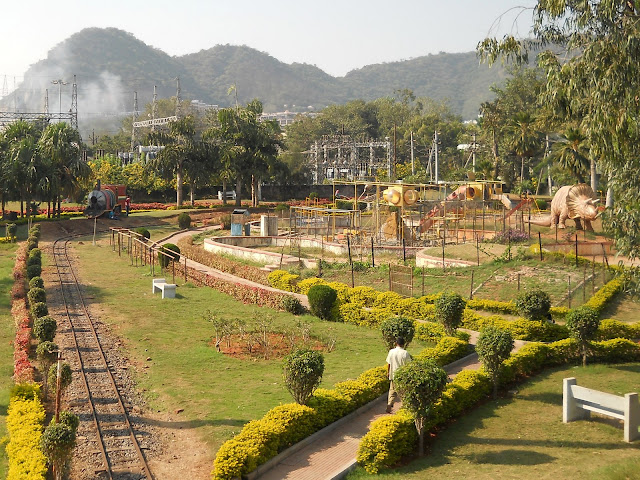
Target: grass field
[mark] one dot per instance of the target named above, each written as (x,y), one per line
(7,334)
(218,393)
(523,436)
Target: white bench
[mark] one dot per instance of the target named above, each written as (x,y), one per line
(228,195)
(578,403)
(168,289)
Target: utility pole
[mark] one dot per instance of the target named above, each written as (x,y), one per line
(154,106)
(394,149)
(46,101)
(74,104)
(435,148)
(135,119)
(473,153)
(178,97)
(413,170)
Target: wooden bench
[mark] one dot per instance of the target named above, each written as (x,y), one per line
(578,403)
(228,195)
(168,289)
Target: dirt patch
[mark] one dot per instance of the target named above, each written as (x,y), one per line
(264,347)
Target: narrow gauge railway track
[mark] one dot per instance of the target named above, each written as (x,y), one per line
(115,441)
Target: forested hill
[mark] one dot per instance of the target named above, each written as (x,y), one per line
(111,64)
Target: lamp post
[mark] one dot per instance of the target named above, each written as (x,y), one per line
(59,82)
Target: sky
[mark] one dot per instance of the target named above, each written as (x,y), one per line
(335,35)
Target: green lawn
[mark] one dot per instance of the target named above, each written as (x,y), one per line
(7,334)
(218,393)
(523,436)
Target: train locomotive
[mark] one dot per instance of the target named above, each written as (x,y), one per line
(106,199)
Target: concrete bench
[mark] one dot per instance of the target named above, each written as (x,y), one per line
(228,195)
(168,289)
(578,403)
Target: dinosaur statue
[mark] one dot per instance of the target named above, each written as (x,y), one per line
(577,202)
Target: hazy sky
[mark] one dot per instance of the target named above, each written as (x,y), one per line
(335,35)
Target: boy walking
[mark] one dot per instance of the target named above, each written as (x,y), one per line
(397,357)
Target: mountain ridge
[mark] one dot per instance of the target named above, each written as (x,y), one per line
(111,64)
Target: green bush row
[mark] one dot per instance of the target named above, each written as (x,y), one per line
(261,440)
(394,437)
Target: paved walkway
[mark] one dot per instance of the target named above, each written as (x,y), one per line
(331,453)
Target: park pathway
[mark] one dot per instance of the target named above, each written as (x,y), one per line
(330,453)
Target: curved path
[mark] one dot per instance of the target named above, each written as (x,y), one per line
(330,453)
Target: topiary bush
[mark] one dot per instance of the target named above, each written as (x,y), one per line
(494,347)
(184,221)
(533,304)
(34,271)
(65,377)
(35,253)
(321,300)
(302,371)
(449,308)
(39,309)
(34,231)
(292,305)
(583,324)
(36,282)
(173,254)
(144,232)
(57,443)
(44,328)
(11,230)
(395,327)
(32,242)
(36,295)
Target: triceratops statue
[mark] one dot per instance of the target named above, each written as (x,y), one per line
(577,202)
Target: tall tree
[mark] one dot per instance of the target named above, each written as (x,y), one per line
(179,145)
(60,145)
(572,153)
(594,72)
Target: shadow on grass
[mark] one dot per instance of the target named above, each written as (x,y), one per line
(194,423)
(511,457)
(550,398)
(627,368)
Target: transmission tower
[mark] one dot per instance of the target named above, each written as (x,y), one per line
(74,104)
(46,101)
(5,87)
(178,97)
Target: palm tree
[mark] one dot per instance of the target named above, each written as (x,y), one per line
(572,153)
(524,137)
(179,145)
(60,144)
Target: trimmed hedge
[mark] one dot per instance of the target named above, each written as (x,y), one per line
(261,440)
(387,440)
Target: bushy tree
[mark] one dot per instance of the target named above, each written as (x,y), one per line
(44,328)
(58,441)
(321,300)
(46,353)
(184,220)
(65,377)
(171,254)
(420,383)
(144,232)
(302,371)
(583,323)
(533,304)
(449,307)
(395,327)
(494,347)
(36,295)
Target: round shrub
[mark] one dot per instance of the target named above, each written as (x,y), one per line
(35,259)
(11,230)
(34,231)
(449,307)
(36,282)
(26,391)
(321,300)
(184,220)
(65,376)
(302,371)
(44,328)
(39,309)
(36,295)
(57,443)
(46,353)
(583,324)
(395,327)
(35,253)
(494,347)
(172,254)
(144,232)
(292,305)
(70,419)
(32,243)
(34,271)
(533,304)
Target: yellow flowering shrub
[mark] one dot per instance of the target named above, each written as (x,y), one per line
(25,422)
(283,280)
(307,283)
